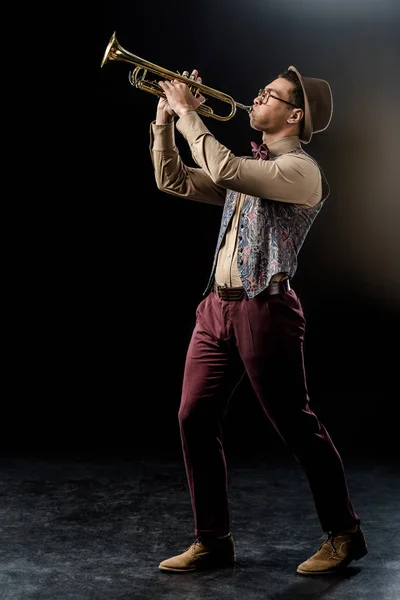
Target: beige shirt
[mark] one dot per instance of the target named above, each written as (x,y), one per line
(288,178)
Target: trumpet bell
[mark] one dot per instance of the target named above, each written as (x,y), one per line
(111,50)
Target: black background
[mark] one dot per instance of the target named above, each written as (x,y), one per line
(112,270)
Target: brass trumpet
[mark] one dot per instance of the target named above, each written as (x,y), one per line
(114,51)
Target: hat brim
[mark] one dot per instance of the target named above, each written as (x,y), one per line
(321,92)
(307,130)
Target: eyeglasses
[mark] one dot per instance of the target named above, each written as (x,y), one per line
(265,95)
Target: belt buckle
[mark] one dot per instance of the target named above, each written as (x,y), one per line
(219,290)
(223,292)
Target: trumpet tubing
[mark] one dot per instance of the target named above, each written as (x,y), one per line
(115,52)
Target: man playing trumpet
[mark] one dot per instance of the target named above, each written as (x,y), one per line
(250,320)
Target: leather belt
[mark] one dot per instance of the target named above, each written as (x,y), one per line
(238,293)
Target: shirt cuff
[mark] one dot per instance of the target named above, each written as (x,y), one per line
(162,136)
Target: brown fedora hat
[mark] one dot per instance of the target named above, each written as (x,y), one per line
(318,105)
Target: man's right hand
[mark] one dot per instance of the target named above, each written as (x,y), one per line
(165,114)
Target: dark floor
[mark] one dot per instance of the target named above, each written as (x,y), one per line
(82,529)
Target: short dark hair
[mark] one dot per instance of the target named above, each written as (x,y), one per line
(296,95)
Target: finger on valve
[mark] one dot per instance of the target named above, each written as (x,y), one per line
(194,76)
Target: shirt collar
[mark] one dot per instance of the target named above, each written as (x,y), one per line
(284,145)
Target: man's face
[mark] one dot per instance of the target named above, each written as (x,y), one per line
(271,107)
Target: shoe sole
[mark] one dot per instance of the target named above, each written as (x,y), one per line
(337,569)
(200,567)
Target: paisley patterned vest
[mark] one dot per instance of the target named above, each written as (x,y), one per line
(270,236)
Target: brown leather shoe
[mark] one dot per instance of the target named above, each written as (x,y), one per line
(202,554)
(335,554)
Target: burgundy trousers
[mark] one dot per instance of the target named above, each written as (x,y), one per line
(263,337)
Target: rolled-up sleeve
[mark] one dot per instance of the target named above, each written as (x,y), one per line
(173,176)
(290,177)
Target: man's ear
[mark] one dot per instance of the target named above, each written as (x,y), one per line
(296,116)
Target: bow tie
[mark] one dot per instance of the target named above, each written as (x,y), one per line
(260,151)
